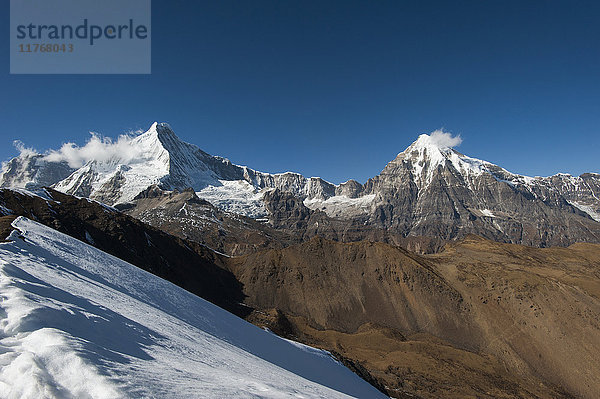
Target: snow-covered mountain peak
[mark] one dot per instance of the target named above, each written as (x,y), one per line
(163,132)
(429,142)
(438,139)
(156,156)
(115,171)
(426,149)
(434,148)
(428,153)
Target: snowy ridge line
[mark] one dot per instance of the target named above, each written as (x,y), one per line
(425,155)
(77,322)
(39,192)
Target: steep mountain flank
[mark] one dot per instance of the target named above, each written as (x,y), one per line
(32,170)
(413,366)
(514,316)
(435,191)
(539,308)
(185,263)
(342,286)
(289,214)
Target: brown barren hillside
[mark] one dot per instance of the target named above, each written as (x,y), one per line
(481,319)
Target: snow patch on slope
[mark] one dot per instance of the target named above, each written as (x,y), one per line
(341,206)
(77,322)
(587,209)
(237,196)
(487,213)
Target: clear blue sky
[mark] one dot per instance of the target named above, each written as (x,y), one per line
(337,89)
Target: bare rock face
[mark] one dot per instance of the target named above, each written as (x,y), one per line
(289,214)
(583,192)
(350,189)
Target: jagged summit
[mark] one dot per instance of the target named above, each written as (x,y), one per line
(423,158)
(155,157)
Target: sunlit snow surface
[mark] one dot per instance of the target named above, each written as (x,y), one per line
(587,209)
(237,196)
(341,205)
(79,323)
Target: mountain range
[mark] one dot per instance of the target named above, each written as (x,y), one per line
(429,194)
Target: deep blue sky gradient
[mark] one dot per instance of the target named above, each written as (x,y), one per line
(337,88)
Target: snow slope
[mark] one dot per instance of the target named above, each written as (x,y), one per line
(76,322)
(341,206)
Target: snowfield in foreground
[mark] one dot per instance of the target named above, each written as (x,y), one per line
(76,322)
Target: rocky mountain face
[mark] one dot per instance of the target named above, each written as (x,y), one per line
(185,215)
(31,170)
(428,195)
(430,191)
(583,192)
(289,214)
(435,191)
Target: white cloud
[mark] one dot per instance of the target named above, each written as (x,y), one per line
(444,139)
(97,148)
(24,151)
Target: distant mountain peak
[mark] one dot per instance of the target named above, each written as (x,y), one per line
(427,142)
(426,148)
(428,153)
(438,139)
(163,129)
